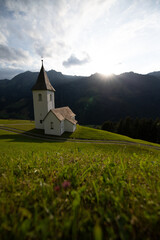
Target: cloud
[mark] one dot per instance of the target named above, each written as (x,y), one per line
(12,54)
(3,39)
(51,28)
(56,28)
(73,60)
(46,49)
(29,22)
(42,50)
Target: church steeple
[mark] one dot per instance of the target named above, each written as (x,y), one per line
(43,97)
(43,82)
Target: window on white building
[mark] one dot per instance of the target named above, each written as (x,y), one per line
(52,125)
(39,97)
(50,97)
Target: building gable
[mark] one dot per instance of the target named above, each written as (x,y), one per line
(52,125)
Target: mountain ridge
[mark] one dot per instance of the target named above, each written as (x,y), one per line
(94,99)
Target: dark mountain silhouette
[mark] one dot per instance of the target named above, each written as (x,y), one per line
(94,99)
(155,74)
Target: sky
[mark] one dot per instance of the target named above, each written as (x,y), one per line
(79,37)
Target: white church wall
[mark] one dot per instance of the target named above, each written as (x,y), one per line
(69,127)
(51,100)
(43,101)
(62,127)
(52,125)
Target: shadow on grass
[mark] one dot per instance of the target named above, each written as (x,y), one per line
(34,135)
(40,132)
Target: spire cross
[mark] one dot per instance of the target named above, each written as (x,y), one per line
(42,61)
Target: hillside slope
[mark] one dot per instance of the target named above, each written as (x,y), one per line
(94,99)
(82,134)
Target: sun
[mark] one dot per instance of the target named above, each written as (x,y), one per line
(106,70)
(103,67)
(106,60)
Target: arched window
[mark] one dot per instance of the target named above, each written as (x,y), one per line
(50,97)
(39,97)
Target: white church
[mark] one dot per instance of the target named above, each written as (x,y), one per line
(54,121)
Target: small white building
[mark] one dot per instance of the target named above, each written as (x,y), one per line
(54,121)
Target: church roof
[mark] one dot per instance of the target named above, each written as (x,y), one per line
(43,82)
(64,113)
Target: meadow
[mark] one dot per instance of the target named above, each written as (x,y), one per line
(68,190)
(82,133)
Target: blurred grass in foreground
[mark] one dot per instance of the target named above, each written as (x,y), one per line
(77,190)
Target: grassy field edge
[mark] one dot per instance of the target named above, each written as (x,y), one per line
(82,133)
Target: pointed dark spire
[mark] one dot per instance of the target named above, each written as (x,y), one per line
(43,82)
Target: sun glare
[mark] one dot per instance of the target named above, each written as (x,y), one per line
(106,59)
(104,68)
(106,72)
(105,62)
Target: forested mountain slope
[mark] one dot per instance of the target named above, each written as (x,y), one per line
(94,99)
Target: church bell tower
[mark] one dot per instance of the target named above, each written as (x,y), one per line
(43,98)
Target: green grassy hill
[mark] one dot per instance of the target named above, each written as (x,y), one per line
(81,133)
(68,190)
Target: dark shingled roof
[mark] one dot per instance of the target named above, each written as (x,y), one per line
(43,82)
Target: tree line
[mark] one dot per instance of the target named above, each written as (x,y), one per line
(146,129)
